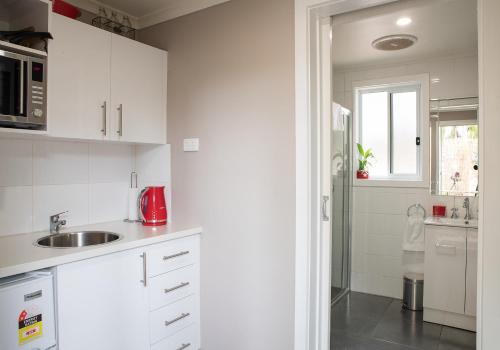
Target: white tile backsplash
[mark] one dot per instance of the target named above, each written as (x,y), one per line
(52,199)
(103,154)
(60,162)
(108,201)
(16,209)
(39,178)
(16,166)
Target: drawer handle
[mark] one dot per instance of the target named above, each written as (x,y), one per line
(183,316)
(175,255)
(182,285)
(144,269)
(184,346)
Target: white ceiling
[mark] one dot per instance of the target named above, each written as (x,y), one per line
(145,13)
(443,27)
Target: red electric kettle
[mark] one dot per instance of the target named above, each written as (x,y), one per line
(152,206)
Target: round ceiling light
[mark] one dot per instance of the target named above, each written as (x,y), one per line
(394,42)
(403,21)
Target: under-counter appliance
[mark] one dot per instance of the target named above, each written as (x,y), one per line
(23,89)
(27,316)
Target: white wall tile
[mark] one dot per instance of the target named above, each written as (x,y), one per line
(110,162)
(60,162)
(16,162)
(384,245)
(108,201)
(152,163)
(15,210)
(52,199)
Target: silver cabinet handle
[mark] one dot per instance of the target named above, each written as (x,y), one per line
(324,214)
(175,255)
(177,319)
(184,346)
(21,88)
(182,285)
(104,118)
(144,269)
(120,120)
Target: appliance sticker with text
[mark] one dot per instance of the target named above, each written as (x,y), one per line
(30,325)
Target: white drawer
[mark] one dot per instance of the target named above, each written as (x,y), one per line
(172,286)
(170,319)
(186,339)
(172,255)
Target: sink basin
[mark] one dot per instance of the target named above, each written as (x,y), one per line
(472,223)
(77,239)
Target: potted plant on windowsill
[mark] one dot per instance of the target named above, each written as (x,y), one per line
(363,162)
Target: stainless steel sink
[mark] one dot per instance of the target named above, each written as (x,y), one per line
(77,239)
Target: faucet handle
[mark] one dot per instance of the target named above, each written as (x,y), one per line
(56,216)
(454,213)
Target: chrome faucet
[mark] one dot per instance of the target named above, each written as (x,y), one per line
(467,209)
(55,223)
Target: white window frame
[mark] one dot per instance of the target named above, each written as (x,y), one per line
(439,124)
(397,84)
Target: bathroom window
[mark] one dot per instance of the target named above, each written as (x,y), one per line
(389,122)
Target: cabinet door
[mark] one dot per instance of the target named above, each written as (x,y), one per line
(471,274)
(78,79)
(138,91)
(445,261)
(102,303)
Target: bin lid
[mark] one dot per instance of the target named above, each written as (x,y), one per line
(414,276)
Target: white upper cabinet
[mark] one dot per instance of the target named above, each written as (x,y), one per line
(138,91)
(102,86)
(78,80)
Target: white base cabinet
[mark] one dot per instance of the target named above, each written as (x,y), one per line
(450,276)
(115,302)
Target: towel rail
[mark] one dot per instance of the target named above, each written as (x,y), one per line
(417,207)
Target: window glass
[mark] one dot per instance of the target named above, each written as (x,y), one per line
(404,133)
(375,130)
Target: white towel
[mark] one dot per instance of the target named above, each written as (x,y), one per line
(413,239)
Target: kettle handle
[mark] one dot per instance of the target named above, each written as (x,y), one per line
(140,203)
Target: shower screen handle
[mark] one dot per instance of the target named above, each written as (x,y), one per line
(324,214)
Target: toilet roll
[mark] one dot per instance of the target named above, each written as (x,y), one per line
(133,207)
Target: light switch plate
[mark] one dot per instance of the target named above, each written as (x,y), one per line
(191,145)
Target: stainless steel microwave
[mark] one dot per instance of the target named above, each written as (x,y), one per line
(23,90)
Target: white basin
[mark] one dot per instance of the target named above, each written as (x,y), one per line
(451,222)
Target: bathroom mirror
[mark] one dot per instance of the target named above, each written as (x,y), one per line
(454,147)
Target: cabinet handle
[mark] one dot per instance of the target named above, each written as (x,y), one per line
(324,214)
(175,255)
(184,346)
(449,247)
(182,285)
(120,120)
(104,118)
(144,269)
(177,319)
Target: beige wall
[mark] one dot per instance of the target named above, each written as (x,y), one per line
(230,83)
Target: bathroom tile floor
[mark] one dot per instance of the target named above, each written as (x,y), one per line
(369,322)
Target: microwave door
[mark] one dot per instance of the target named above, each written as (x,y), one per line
(13,77)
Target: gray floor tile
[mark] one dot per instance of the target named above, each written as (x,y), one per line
(457,339)
(368,322)
(343,341)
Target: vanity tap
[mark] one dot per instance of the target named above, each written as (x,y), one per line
(467,209)
(55,223)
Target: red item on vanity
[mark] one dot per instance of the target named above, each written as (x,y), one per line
(152,206)
(439,210)
(63,8)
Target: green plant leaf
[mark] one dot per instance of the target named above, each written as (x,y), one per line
(360,150)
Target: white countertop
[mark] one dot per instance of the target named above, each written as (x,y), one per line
(438,221)
(18,254)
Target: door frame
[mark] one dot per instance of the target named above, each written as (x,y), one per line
(311,258)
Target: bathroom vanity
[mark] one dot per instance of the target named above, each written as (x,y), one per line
(450,272)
